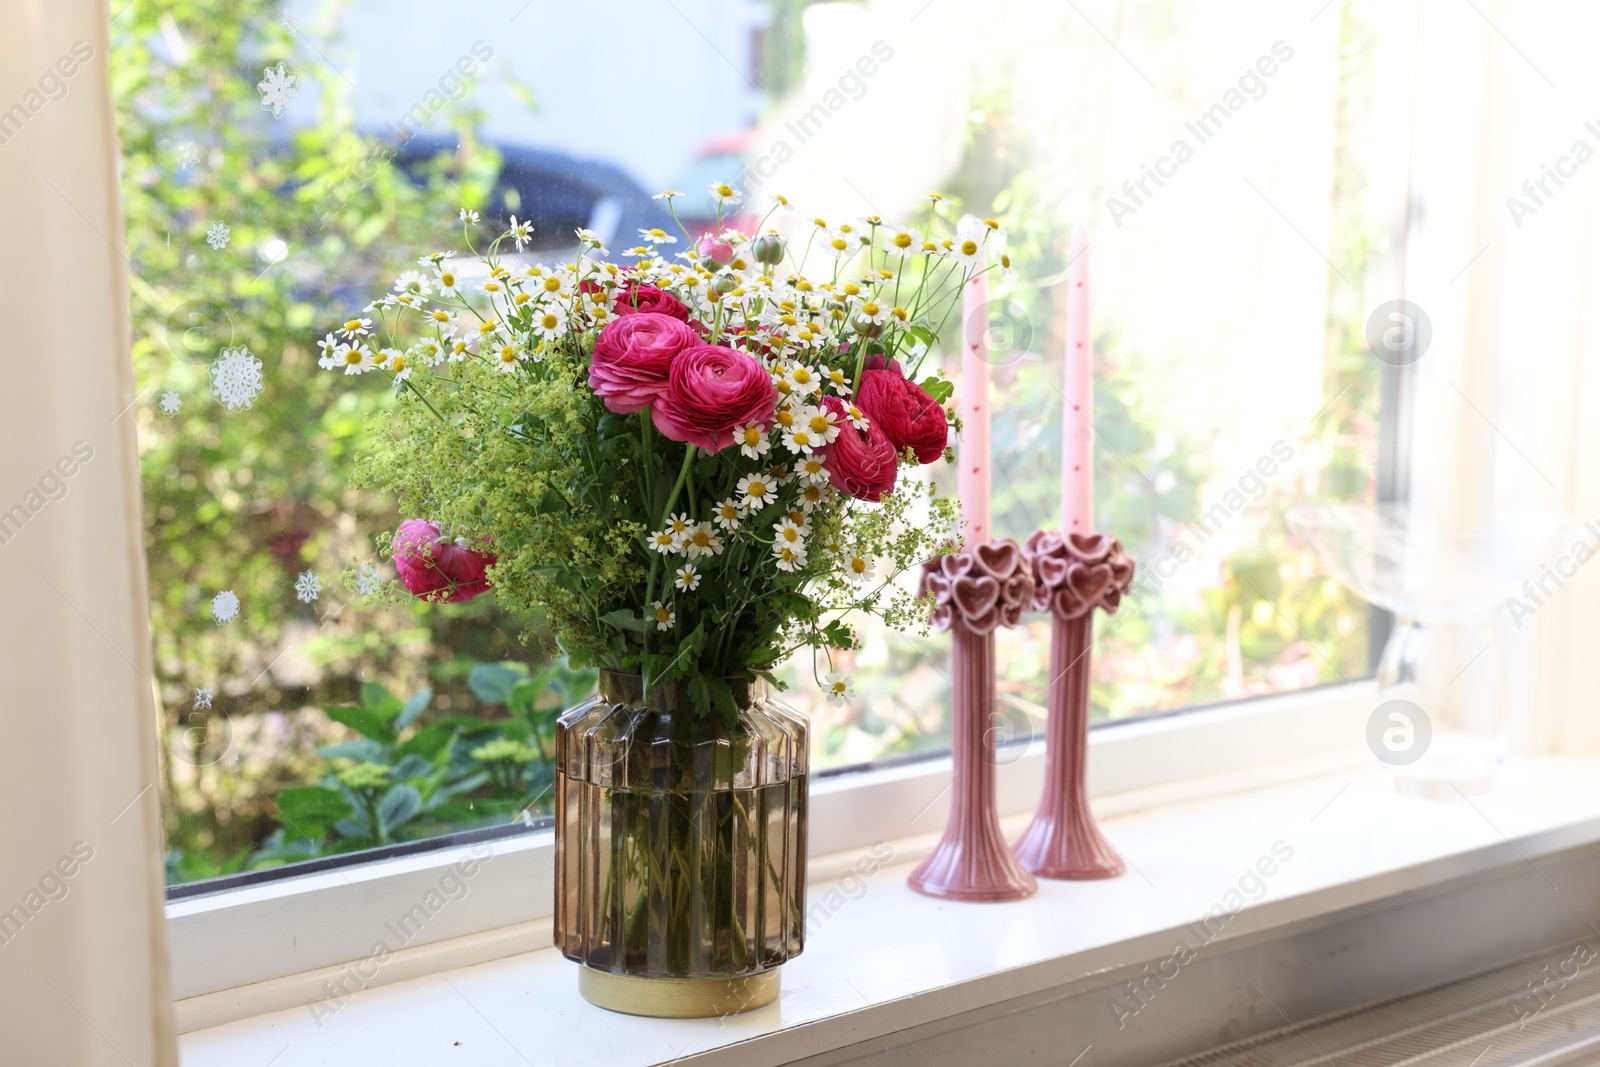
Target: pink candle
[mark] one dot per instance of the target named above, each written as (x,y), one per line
(1077,390)
(973,456)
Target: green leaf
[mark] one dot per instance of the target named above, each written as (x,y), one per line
(427,742)
(398,805)
(363,721)
(362,751)
(624,619)
(411,766)
(492,682)
(938,388)
(378,700)
(837,634)
(306,811)
(414,707)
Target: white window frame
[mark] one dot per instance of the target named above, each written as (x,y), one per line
(257,934)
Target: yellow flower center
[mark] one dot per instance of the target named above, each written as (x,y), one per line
(757,489)
(819,424)
(858,565)
(752,436)
(353,324)
(507,354)
(969,248)
(552,284)
(902,240)
(839,244)
(440,316)
(785,418)
(447,279)
(353,356)
(724,190)
(870,308)
(522,298)
(488,327)
(549,320)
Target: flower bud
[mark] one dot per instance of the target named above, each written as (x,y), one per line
(714,252)
(768,249)
(724,283)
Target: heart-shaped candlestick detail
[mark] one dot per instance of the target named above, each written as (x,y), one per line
(975,591)
(1073,575)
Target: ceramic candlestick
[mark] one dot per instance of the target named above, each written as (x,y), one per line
(982,587)
(1073,575)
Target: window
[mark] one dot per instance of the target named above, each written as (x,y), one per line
(282,165)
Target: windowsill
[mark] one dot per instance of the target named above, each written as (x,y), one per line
(892,960)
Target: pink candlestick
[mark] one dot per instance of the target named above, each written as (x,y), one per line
(981,588)
(1077,388)
(1073,575)
(973,456)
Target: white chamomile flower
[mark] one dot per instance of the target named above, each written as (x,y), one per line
(521,232)
(413,283)
(812,495)
(903,241)
(687,578)
(812,471)
(728,514)
(358,359)
(666,194)
(841,689)
(550,323)
(429,350)
(679,525)
(332,352)
(752,440)
(840,245)
(469,216)
(836,378)
(656,236)
(356,328)
(788,532)
(855,417)
(449,284)
(756,491)
(781,474)
(664,615)
(492,286)
(506,358)
(870,311)
(800,438)
(860,569)
(823,424)
(702,540)
(724,194)
(555,286)
(384,357)
(665,542)
(455,349)
(399,365)
(788,557)
(434,259)
(802,379)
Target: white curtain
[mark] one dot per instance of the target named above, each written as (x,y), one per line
(83,962)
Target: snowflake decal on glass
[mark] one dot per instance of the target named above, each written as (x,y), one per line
(277,90)
(367,580)
(171,403)
(225,606)
(236,378)
(202,697)
(307,587)
(188,155)
(217,235)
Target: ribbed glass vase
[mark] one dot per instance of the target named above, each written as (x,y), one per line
(680,847)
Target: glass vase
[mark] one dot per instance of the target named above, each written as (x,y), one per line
(680,847)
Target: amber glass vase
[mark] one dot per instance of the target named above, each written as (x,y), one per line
(680,847)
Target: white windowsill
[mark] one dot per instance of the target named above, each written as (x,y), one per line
(891,959)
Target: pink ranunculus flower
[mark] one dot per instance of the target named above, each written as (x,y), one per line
(863,464)
(647,299)
(711,392)
(437,568)
(633,356)
(908,415)
(715,251)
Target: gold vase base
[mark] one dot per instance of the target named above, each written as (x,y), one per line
(677,998)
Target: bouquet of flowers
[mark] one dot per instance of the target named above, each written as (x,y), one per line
(686,466)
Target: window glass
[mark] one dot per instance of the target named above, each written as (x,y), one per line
(283,164)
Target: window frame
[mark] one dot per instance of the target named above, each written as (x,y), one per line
(264,933)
